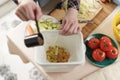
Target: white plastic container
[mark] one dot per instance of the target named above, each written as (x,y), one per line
(73,44)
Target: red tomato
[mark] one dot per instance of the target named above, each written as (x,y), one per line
(98,55)
(112,53)
(105,45)
(93,43)
(105,38)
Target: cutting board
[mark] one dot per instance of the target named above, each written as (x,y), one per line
(60,13)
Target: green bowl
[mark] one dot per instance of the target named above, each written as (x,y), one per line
(89,51)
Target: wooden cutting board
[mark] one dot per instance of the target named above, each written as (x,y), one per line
(106,11)
(60,13)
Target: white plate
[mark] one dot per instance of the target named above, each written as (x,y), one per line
(47,16)
(44,17)
(32,23)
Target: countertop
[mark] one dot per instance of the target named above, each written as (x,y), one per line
(80,71)
(12,67)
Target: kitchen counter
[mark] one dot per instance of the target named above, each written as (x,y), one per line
(80,71)
(12,67)
(106,28)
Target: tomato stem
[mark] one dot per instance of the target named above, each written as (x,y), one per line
(101,53)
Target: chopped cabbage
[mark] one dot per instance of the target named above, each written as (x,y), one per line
(86,7)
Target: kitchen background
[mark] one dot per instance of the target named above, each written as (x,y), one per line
(11,66)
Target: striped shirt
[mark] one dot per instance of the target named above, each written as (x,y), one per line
(71,3)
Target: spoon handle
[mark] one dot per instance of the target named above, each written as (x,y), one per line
(81,21)
(38,30)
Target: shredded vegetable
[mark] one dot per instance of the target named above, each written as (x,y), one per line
(57,54)
(86,7)
(48,24)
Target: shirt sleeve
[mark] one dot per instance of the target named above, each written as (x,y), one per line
(73,4)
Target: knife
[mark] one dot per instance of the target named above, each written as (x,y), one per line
(81,21)
(85,21)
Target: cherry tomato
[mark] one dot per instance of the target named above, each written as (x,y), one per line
(93,43)
(98,55)
(105,38)
(105,45)
(112,53)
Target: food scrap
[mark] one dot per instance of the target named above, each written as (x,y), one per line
(29,29)
(57,54)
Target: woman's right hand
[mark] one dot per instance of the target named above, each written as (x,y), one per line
(27,9)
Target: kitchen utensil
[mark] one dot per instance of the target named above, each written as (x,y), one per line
(35,39)
(81,21)
(85,21)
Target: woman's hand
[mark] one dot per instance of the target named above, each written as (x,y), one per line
(27,10)
(70,23)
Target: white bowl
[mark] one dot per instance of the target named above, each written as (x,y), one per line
(73,44)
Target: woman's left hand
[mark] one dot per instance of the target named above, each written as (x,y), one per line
(70,23)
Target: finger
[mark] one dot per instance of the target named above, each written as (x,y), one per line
(20,14)
(73,27)
(66,27)
(30,13)
(75,31)
(21,17)
(23,11)
(68,32)
(79,29)
(76,28)
(63,23)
